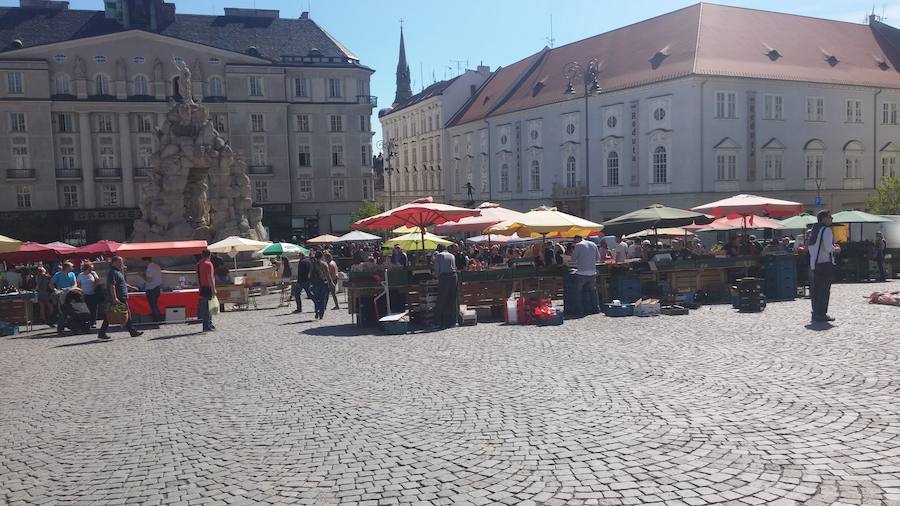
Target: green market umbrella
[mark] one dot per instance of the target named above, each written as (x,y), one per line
(799,222)
(857,217)
(655,216)
(282,248)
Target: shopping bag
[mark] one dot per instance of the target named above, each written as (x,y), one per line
(117,314)
(214,305)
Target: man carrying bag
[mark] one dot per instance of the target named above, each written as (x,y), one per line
(118,296)
(207,281)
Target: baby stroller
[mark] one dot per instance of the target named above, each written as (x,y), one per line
(74,310)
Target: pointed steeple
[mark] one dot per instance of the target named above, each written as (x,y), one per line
(404,89)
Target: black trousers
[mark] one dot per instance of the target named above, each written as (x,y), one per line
(820,291)
(152,299)
(447,309)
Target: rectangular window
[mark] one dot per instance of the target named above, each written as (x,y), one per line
(726,104)
(339,189)
(67,153)
(64,122)
(854,111)
(23,196)
(773,107)
(304,157)
(21,157)
(145,152)
(815,109)
(258,155)
(144,123)
(107,153)
(220,121)
(301,89)
(337,155)
(363,123)
(17,122)
(109,195)
(367,189)
(305,188)
(888,166)
(105,123)
(335,88)
(336,123)
(70,196)
(504,178)
(889,113)
(256,86)
(814,164)
(364,155)
(260,191)
(772,163)
(361,87)
(303,123)
(14,83)
(851,167)
(257,122)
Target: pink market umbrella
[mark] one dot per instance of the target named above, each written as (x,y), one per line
(491,214)
(747,205)
(734,222)
(419,213)
(105,249)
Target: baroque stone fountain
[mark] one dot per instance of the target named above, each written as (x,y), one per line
(198,186)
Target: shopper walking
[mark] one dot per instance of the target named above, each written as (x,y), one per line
(585,256)
(447,308)
(302,284)
(87,281)
(333,278)
(153,286)
(319,283)
(821,264)
(207,280)
(118,294)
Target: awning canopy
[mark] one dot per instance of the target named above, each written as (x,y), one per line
(161,249)
(751,204)
(323,239)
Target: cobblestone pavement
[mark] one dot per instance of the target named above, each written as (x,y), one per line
(715,407)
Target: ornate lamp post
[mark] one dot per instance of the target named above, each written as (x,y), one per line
(588,74)
(389,149)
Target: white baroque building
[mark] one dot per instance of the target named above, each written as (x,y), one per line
(83,92)
(695,105)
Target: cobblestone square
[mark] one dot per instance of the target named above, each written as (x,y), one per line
(714,407)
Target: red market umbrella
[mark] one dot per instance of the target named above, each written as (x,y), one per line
(420,214)
(160,249)
(61,248)
(491,214)
(751,204)
(98,249)
(734,222)
(31,252)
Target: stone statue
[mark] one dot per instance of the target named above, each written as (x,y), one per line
(198,187)
(80,69)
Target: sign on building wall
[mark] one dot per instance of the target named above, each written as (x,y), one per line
(751,136)
(635,143)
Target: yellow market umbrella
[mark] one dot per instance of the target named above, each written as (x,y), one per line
(9,245)
(545,221)
(403,229)
(415,241)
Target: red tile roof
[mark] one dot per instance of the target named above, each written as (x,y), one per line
(703,39)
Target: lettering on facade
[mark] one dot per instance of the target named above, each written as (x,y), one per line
(751,136)
(635,143)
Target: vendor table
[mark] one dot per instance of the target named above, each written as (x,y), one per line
(16,308)
(188,299)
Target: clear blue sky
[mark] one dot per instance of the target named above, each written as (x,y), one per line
(496,32)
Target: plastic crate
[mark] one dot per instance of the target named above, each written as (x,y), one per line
(618,311)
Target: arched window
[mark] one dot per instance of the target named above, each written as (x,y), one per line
(141,85)
(660,165)
(504,177)
(61,85)
(101,85)
(853,154)
(215,87)
(612,169)
(815,159)
(570,172)
(535,175)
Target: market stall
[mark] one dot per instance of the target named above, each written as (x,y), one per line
(186,299)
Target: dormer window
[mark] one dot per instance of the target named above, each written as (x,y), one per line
(100,59)
(881,63)
(771,52)
(830,58)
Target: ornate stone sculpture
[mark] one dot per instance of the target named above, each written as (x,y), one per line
(198,187)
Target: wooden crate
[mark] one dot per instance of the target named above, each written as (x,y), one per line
(483,293)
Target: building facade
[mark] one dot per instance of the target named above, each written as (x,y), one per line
(695,105)
(414,136)
(83,93)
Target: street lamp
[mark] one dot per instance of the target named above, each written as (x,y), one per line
(589,74)
(389,149)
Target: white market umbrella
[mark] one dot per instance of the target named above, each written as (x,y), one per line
(357,236)
(233,245)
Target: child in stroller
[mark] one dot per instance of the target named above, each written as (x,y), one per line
(76,315)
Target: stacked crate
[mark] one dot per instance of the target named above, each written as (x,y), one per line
(781,277)
(625,287)
(749,295)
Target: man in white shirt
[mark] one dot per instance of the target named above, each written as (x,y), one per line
(621,252)
(821,263)
(152,287)
(585,256)
(634,249)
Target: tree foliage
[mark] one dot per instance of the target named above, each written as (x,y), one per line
(368,208)
(886,199)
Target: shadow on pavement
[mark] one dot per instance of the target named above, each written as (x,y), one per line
(345,330)
(82,343)
(175,336)
(819,326)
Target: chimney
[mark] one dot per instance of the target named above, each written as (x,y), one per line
(44,4)
(304,15)
(483,70)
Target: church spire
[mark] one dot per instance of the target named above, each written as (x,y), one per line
(404,90)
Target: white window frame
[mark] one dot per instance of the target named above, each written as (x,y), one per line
(889,113)
(337,155)
(305,188)
(504,177)
(257,122)
(660,166)
(15,83)
(726,105)
(534,175)
(105,123)
(101,85)
(109,195)
(259,153)
(339,189)
(571,173)
(216,87)
(304,149)
(335,88)
(140,85)
(815,109)
(255,86)
(612,168)
(815,164)
(64,122)
(67,153)
(773,107)
(23,196)
(18,122)
(301,87)
(144,151)
(260,190)
(303,123)
(773,164)
(854,111)
(71,198)
(889,165)
(62,85)
(144,123)
(19,152)
(336,123)
(106,152)
(726,165)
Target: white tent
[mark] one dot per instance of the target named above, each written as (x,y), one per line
(357,236)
